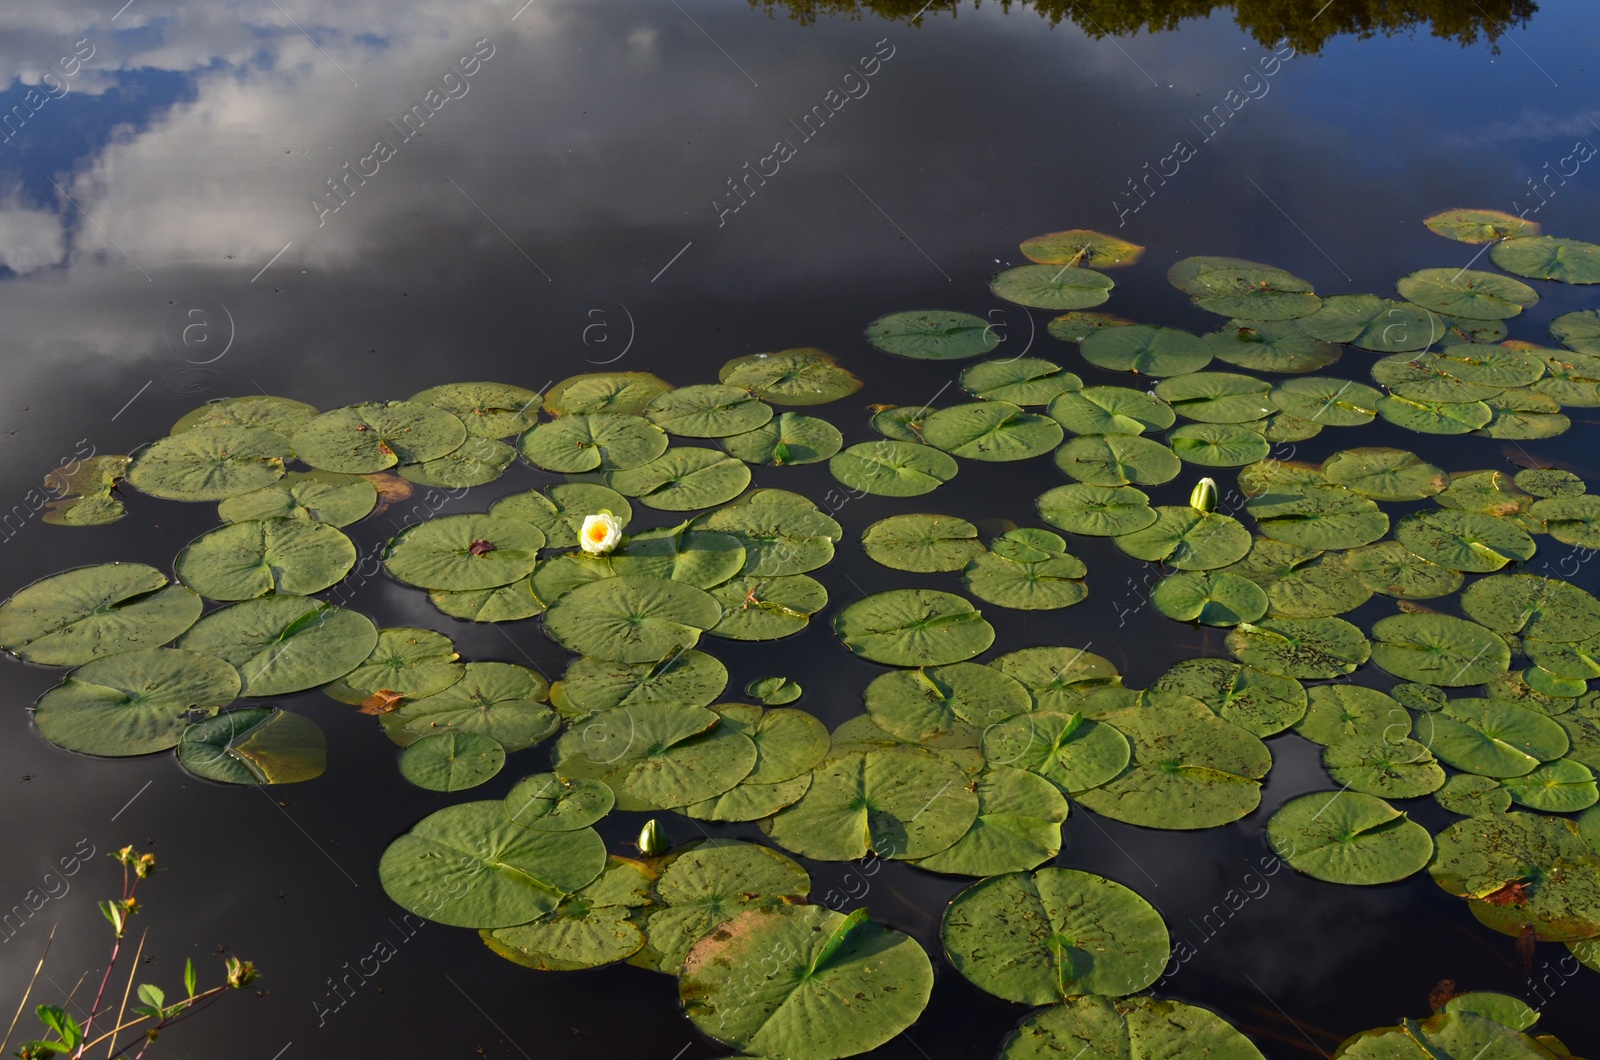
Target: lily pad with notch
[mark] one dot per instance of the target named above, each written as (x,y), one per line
(933,335)
(599,441)
(803,376)
(282,643)
(211,464)
(373,436)
(254,745)
(134,702)
(82,614)
(1348,837)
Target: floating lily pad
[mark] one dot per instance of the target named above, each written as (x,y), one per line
(1479,226)
(591,928)
(1381,325)
(254,745)
(1052,286)
(1435,417)
(1464,541)
(1018,827)
(82,614)
(708,410)
(944,706)
(1438,649)
(502,701)
(1561,786)
(1072,752)
(1190,768)
(1037,585)
(782,532)
(788,742)
(490,410)
(470,866)
(1077,326)
(452,761)
(246,559)
(1117,460)
(1145,349)
(1578,330)
(282,643)
(1571,520)
(1348,837)
(1477,362)
(1473,796)
(1572,378)
(789,438)
(327,497)
(1209,597)
(1467,293)
(809,1009)
(1020,381)
(134,702)
(412,663)
(475,462)
(901,802)
(1421,377)
(901,423)
(922,543)
(1081,246)
(600,441)
(279,414)
(1559,876)
(1244,289)
(656,757)
(1489,492)
(688,678)
(461,552)
(1096,511)
(1339,712)
(504,603)
(1110,410)
(1270,346)
(1058,678)
(1544,608)
(1258,702)
(545,802)
(559,511)
(773,691)
(710,884)
(682,479)
(1218,444)
(1316,589)
(762,608)
(1138,1028)
(211,464)
(84,497)
(992,431)
(359,439)
(1384,766)
(1495,739)
(1305,648)
(933,335)
(702,558)
(626,392)
(1217,397)
(1329,402)
(1548,258)
(790,377)
(1188,539)
(913,627)
(1549,482)
(632,619)
(1037,937)
(1387,567)
(1385,474)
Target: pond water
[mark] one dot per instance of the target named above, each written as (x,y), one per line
(169,235)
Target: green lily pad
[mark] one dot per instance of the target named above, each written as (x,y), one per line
(892,469)
(708,410)
(503,603)
(84,496)
(631,619)
(1339,712)
(410,662)
(913,627)
(1383,766)
(278,414)
(625,392)
(1479,226)
(1081,246)
(1258,702)
(761,608)
(1329,402)
(211,464)
(1467,293)
(789,438)
(1438,649)
(1058,678)
(1381,325)
(1111,410)
(1077,326)
(1209,597)
(1190,768)
(1041,936)
(656,757)
(470,866)
(749,802)
(545,802)
(1387,567)
(782,532)
(1560,876)
(82,614)
(773,691)
(327,497)
(1244,289)
(1218,444)
(1543,608)
(1052,286)
(1188,539)
(1305,648)
(1524,415)
(242,560)
(490,410)
(944,706)
(991,431)
(502,701)
(901,423)
(1421,377)
(1572,379)
(802,376)
(1549,482)
(1096,511)
(601,441)
(1489,492)
(1136,1028)
(809,1008)
(682,479)
(1117,460)
(1018,827)
(933,335)
(461,552)
(689,679)
(1561,786)
(477,461)
(788,742)
(1348,837)
(1495,739)
(1473,796)
(559,511)
(1435,417)
(282,643)
(1316,589)
(1070,751)
(1054,581)
(1464,541)
(591,928)
(1145,349)
(359,439)
(1385,474)
(254,745)
(1217,397)
(1020,381)
(1270,346)
(1548,258)
(134,702)
(922,543)
(1579,330)
(1501,1008)
(452,761)
(701,558)
(901,802)
(1571,520)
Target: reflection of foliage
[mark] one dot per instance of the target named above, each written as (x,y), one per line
(1265,20)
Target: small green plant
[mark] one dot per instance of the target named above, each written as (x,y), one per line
(65,1036)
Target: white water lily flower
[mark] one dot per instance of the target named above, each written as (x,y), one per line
(600,534)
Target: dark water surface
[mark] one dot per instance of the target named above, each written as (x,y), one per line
(560,217)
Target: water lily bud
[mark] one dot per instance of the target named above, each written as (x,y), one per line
(1203,498)
(652,839)
(600,533)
